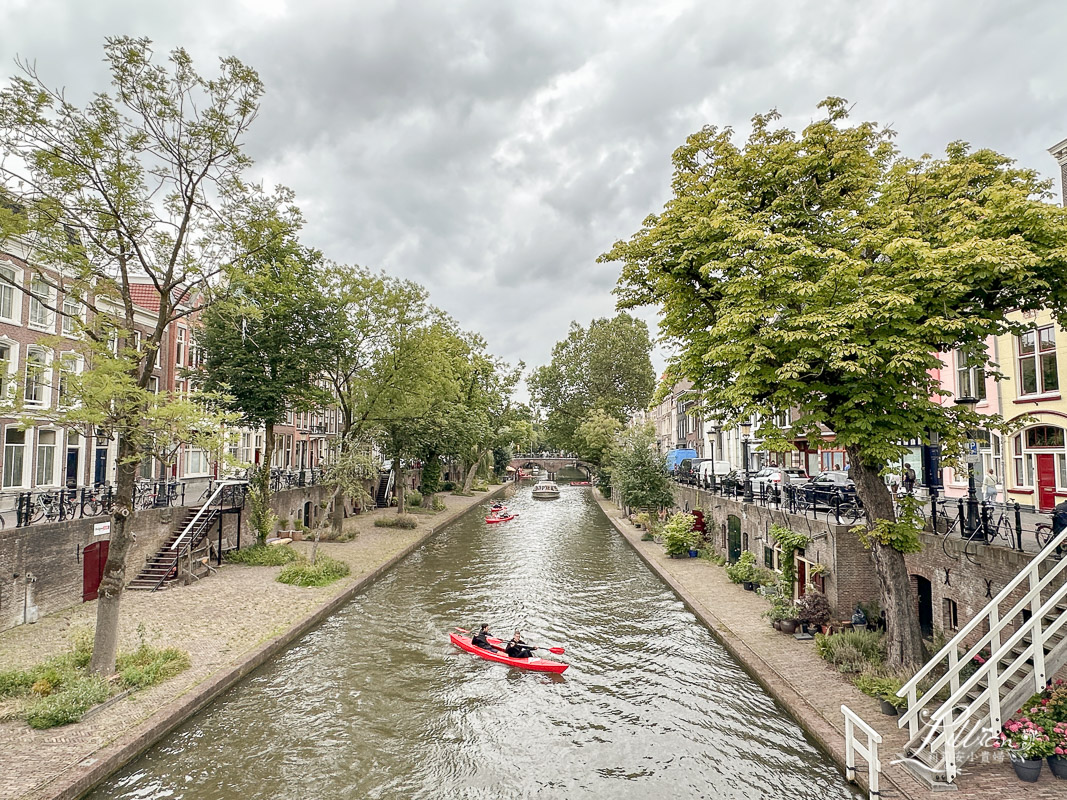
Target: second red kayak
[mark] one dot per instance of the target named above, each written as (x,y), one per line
(463,642)
(506,518)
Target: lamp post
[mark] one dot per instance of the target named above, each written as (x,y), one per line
(746,429)
(970,522)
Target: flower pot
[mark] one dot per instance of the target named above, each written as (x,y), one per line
(777,624)
(693,553)
(888,708)
(749,586)
(1058,765)
(1026,769)
(789,626)
(826,629)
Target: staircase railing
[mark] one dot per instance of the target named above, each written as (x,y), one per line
(196,525)
(957,714)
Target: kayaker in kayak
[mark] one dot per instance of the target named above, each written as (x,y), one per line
(481,639)
(517,648)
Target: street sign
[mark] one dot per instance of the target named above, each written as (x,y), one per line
(972,458)
(972,450)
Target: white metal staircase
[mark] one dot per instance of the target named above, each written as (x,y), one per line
(1024,630)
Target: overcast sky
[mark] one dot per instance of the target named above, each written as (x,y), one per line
(491,149)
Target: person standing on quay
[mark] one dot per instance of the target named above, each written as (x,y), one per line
(909,479)
(989,484)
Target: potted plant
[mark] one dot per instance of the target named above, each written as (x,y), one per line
(1027,743)
(641,520)
(678,535)
(813,609)
(882,688)
(781,609)
(743,570)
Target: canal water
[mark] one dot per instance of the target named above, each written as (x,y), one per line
(376,703)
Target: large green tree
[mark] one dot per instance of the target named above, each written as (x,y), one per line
(823,272)
(637,470)
(607,367)
(139,186)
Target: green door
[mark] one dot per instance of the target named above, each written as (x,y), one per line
(734,530)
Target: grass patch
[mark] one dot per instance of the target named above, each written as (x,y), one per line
(147,665)
(396,521)
(59,690)
(324,571)
(851,651)
(263,555)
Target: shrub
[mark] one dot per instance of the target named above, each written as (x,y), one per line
(147,665)
(14,682)
(396,521)
(413,499)
(324,571)
(764,576)
(813,608)
(647,536)
(439,504)
(68,705)
(448,486)
(745,568)
(715,558)
(851,651)
(679,535)
(881,687)
(262,555)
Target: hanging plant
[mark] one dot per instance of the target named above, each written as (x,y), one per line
(790,541)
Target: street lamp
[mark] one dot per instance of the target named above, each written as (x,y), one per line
(970,522)
(746,429)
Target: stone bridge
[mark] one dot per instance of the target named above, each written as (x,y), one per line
(550,464)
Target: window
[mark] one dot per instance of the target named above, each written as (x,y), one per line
(36,392)
(1038,373)
(1024,463)
(179,353)
(970,377)
(195,461)
(46,458)
(40,302)
(1043,436)
(6,365)
(69,364)
(153,385)
(8,306)
(14,452)
(951,616)
(72,315)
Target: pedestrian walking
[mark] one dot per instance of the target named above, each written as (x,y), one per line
(909,479)
(989,484)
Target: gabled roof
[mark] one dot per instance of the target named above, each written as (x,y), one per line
(145,296)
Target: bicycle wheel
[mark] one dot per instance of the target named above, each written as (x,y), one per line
(1043,533)
(36,513)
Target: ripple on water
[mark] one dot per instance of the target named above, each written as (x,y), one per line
(376,703)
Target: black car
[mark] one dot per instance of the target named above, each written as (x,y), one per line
(828,488)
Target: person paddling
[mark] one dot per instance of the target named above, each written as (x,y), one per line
(481,639)
(517,648)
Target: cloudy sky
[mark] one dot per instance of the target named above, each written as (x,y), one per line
(491,149)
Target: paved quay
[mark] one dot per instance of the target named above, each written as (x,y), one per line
(810,689)
(230,623)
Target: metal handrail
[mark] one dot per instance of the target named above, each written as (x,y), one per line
(218,491)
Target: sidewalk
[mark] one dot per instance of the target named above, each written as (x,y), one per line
(809,688)
(230,623)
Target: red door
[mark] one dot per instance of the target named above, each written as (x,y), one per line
(94,557)
(1046,481)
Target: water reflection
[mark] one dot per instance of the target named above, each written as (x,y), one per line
(377,703)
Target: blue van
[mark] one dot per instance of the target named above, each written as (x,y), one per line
(677,456)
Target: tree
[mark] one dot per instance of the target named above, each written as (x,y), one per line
(637,473)
(824,272)
(606,367)
(266,339)
(142,186)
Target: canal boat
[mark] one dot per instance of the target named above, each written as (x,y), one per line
(546,490)
(463,642)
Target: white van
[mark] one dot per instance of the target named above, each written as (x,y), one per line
(716,468)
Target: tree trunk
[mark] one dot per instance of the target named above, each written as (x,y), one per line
(113,582)
(337,513)
(903,641)
(472,473)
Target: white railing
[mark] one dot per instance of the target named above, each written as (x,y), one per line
(193,522)
(959,715)
(869,751)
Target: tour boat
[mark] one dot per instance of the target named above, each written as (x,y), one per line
(545,490)
(463,642)
(580,483)
(507,517)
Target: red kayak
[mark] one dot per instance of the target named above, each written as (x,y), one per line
(506,518)
(463,642)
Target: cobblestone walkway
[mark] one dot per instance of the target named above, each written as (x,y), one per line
(220,620)
(811,690)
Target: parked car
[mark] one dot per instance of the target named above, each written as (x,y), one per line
(689,470)
(824,487)
(770,477)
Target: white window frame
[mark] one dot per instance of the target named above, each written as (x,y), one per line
(46,369)
(7,482)
(72,310)
(1036,356)
(15,316)
(973,375)
(38,462)
(9,381)
(196,457)
(77,365)
(41,316)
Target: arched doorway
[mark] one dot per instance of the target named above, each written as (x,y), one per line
(925,592)
(307,514)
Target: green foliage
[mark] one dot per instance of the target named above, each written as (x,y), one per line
(900,536)
(413,499)
(439,504)
(678,534)
(431,475)
(323,572)
(744,569)
(851,651)
(813,607)
(604,370)
(148,665)
(596,437)
(715,558)
(882,687)
(396,521)
(262,555)
(782,608)
(790,541)
(637,471)
(69,704)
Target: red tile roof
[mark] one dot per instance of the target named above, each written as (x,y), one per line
(145,296)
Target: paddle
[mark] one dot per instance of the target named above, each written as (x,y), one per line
(557,650)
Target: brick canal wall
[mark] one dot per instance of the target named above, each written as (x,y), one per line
(42,566)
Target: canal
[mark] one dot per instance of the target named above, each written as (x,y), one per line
(376,703)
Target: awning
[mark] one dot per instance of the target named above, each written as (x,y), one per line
(509,468)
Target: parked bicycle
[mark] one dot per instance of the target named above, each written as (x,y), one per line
(50,506)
